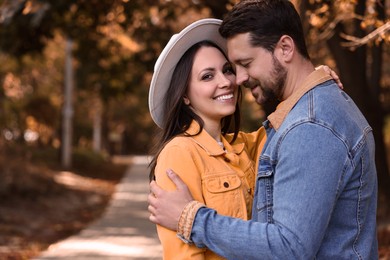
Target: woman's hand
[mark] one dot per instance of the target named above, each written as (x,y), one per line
(333,74)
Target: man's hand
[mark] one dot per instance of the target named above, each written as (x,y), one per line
(165,207)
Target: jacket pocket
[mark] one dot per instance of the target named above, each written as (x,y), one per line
(223,193)
(222,183)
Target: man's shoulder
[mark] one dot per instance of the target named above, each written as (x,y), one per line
(326,102)
(322,99)
(328,106)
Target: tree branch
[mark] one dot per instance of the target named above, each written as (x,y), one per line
(355,42)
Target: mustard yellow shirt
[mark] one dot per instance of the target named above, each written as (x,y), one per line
(222,179)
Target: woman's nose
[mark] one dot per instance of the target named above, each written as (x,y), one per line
(241,76)
(224,81)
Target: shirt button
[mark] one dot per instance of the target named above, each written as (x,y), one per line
(249,190)
(227,160)
(226,185)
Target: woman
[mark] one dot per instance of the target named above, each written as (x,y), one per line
(194,100)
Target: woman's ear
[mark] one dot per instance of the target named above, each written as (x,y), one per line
(186,101)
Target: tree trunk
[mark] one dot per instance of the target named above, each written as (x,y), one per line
(67,123)
(97,124)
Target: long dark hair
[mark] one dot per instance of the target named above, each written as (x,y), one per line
(177,115)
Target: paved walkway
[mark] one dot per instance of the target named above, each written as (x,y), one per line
(123,232)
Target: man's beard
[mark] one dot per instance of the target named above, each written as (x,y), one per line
(279,75)
(272,90)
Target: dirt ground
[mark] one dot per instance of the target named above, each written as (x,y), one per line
(41,205)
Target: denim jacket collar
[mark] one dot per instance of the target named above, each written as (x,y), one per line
(315,78)
(204,140)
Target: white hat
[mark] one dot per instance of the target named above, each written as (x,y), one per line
(204,29)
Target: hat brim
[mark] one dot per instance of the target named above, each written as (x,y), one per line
(204,29)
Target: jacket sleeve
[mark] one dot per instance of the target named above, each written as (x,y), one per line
(179,159)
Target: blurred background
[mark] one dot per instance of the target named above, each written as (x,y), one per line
(74,81)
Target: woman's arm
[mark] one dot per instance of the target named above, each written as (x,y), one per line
(179,159)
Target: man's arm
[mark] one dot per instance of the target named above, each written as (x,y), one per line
(166,208)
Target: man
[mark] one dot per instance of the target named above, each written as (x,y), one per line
(316,187)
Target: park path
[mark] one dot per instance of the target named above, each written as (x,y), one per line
(123,231)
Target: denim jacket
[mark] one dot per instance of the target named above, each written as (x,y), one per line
(316,188)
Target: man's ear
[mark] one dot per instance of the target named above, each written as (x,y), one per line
(285,48)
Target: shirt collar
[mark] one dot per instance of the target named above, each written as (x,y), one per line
(316,77)
(204,140)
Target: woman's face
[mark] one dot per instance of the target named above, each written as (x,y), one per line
(212,91)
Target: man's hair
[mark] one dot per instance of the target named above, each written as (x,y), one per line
(266,21)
